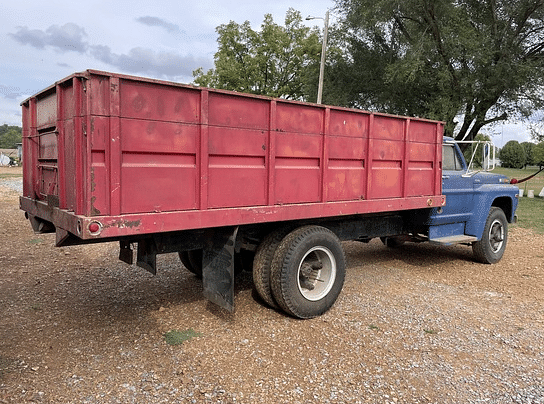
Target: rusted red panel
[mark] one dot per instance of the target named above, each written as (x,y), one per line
(48,146)
(386,173)
(238,111)
(349,123)
(347,175)
(297,166)
(68,104)
(299,118)
(46,113)
(151,101)
(423,132)
(174,157)
(27,149)
(70,166)
(98,88)
(388,128)
(99,172)
(236,167)
(421,169)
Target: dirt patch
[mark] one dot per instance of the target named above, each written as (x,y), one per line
(11,171)
(418,324)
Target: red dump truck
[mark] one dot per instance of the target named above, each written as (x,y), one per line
(234,181)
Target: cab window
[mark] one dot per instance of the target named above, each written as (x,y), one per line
(450,159)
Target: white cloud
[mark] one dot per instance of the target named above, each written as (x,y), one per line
(10,110)
(138,60)
(502,133)
(158,22)
(11,93)
(147,61)
(69,37)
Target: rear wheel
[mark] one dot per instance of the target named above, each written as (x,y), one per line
(490,248)
(307,272)
(262,265)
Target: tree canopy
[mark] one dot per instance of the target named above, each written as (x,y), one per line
(277,61)
(10,136)
(482,60)
(466,62)
(512,155)
(538,154)
(528,148)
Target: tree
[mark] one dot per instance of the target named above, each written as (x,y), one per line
(512,155)
(528,148)
(10,136)
(275,61)
(478,60)
(537,130)
(538,154)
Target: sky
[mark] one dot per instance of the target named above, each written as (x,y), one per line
(42,42)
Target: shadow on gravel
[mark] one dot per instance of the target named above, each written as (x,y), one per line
(118,293)
(8,365)
(416,254)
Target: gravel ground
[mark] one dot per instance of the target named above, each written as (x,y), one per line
(418,324)
(14,184)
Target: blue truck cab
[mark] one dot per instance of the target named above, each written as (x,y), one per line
(479,206)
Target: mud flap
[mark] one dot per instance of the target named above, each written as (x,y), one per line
(125,252)
(146,257)
(218,267)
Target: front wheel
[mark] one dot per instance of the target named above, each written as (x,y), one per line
(308,271)
(490,248)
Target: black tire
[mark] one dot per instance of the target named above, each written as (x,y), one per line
(308,271)
(490,248)
(392,242)
(192,260)
(262,264)
(184,258)
(243,261)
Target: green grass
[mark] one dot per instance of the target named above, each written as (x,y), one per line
(175,337)
(536,183)
(531,214)
(530,210)
(10,175)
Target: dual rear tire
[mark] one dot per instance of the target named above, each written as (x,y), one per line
(302,271)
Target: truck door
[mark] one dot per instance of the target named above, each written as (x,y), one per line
(459,191)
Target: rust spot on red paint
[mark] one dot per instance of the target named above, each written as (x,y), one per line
(123,224)
(160,107)
(93,184)
(94,211)
(138,103)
